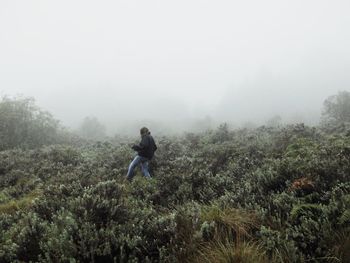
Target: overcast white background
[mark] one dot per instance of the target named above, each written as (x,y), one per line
(234,61)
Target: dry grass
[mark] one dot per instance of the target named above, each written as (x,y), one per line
(218,252)
(12,206)
(230,223)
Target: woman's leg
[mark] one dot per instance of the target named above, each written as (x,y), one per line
(144,168)
(132,167)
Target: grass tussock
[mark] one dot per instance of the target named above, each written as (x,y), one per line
(230,223)
(12,206)
(227,252)
(341,248)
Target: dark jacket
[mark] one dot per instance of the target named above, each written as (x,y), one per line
(146,147)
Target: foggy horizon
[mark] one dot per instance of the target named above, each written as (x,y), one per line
(131,62)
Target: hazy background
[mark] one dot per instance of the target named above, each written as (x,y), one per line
(175,64)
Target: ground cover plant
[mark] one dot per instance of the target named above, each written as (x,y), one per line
(266,194)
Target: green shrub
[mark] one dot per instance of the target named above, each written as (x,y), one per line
(219,195)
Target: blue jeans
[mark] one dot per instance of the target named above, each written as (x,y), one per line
(143,161)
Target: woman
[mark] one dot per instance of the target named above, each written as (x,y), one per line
(145,151)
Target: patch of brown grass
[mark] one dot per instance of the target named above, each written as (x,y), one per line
(12,206)
(218,252)
(230,223)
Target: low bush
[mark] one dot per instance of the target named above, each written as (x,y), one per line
(277,194)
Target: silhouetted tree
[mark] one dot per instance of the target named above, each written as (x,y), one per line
(222,133)
(92,129)
(336,108)
(23,124)
(275,121)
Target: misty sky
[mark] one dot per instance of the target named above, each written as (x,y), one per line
(172,60)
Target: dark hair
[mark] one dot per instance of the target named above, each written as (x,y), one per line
(144,131)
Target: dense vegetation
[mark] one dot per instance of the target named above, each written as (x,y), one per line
(270,194)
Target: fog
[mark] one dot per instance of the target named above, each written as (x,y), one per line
(175,64)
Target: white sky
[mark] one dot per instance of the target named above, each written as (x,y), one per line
(137,59)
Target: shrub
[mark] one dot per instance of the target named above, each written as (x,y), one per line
(241,195)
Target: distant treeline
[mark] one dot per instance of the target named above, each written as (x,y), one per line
(23,124)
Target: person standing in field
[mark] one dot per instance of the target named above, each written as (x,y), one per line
(145,151)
